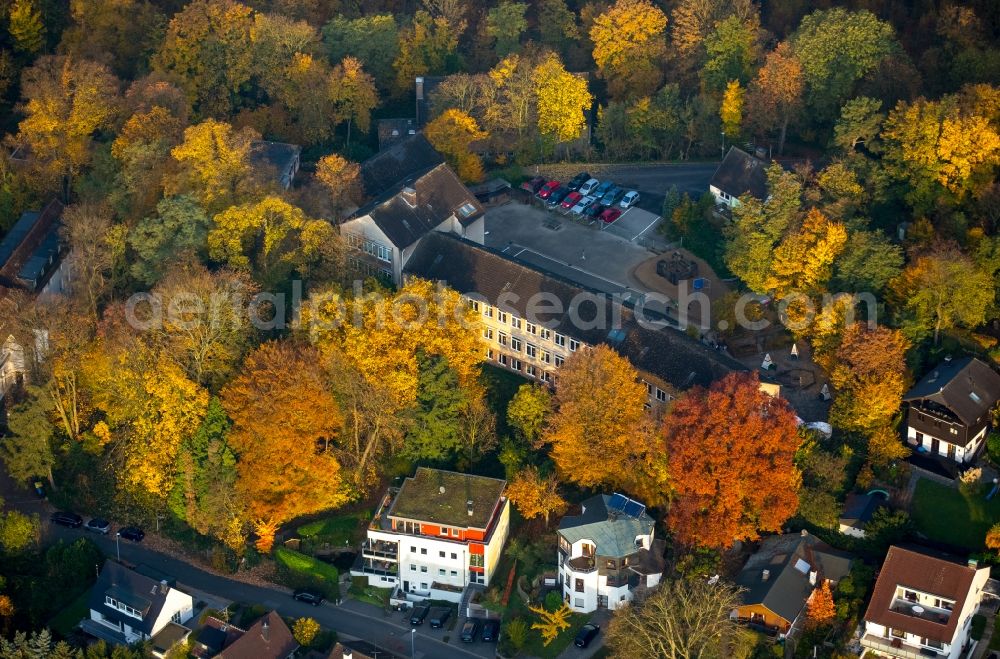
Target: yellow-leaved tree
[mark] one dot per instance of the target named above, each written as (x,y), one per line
(731,109)
(803,261)
(452,133)
(535,495)
(870,376)
(562,100)
(213,164)
(551,623)
(629,44)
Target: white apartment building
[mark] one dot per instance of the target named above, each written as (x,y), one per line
(440,532)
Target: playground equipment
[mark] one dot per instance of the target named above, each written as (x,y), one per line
(676,269)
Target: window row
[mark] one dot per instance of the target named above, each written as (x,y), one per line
(530,370)
(517,323)
(370,247)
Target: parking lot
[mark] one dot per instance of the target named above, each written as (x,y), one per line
(634,224)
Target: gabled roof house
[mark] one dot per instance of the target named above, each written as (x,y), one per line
(737,175)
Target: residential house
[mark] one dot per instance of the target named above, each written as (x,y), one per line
(214,636)
(435,535)
(780,577)
(280,160)
(534,320)
(340,651)
(127,607)
(858,511)
(949,409)
(268,638)
(923,606)
(737,175)
(33,259)
(608,553)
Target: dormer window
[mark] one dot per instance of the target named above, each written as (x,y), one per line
(466,210)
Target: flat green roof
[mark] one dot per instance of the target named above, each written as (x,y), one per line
(441,497)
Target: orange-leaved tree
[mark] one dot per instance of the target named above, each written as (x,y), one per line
(870,377)
(820,610)
(731,449)
(285,421)
(452,133)
(535,495)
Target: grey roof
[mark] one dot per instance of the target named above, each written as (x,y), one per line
(859,508)
(31,247)
(613,533)
(17,234)
(417,205)
(666,353)
(279,154)
(740,173)
(391,131)
(128,586)
(386,171)
(967,387)
(789,559)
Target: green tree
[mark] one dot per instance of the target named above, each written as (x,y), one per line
(427,46)
(504,24)
(528,411)
(868,263)
(556,24)
(372,39)
(24,23)
(733,49)
(837,48)
(435,433)
(18,531)
(27,451)
(179,228)
(860,123)
(122,32)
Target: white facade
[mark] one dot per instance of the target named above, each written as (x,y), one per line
(945,447)
(178,607)
(723,197)
(585,589)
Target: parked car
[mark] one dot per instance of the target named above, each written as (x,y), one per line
(571,199)
(418,615)
(603,189)
(534,184)
(557,196)
(586,635)
(589,187)
(491,630)
(439,616)
(72,520)
(470,630)
(98,525)
(133,533)
(308,596)
(610,215)
(630,199)
(612,196)
(547,189)
(578,180)
(593,211)
(583,204)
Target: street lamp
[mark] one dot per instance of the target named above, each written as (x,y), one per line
(118,546)
(413,638)
(723,144)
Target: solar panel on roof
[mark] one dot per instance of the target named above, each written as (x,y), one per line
(634,508)
(617,502)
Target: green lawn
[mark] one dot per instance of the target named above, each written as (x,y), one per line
(371,594)
(308,566)
(533,646)
(64,621)
(946,515)
(334,530)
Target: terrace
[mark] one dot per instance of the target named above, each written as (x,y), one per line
(921,611)
(895,647)
(380,549)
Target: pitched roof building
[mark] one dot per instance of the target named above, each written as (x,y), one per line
(737,175)
(268,638)
(385,171)
(279,159)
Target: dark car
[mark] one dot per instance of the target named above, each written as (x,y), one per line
(308,596)
(612,196)
(593,210)
(470,630)
(548,189)
(72,520)
(557,196)
(603,189)
(439,616)
(133,533)
(579,180)
(491,630)
(418,615)
(533,185)
(586,635)
(98,525)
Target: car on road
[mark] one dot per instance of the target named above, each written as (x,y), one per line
(578,180)
(470,630)
(589,187)
(571,199)
(534,184)
(491,630)
(557,196)
(630,199)
(308,596)
(612,196)
(610,215)
(593,211)
(418,615)
(547,189)
(587,634)
(133,533)
(98,525)
(439,616)
(72,520)
(583,204)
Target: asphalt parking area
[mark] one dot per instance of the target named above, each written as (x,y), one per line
(634,223)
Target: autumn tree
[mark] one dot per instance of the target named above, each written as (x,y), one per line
(993,537)
(562,101)
(305,631)
(599,412)
(940,290)
(123,32)
(551,623)
(25,26)
(885,447)
(142,148)
(354,95)
(731,110)
(452,133)
(820,610)
(774,97)
(372,39)
(341,181)
(528,411)
(629,42)
(207,49)
(285,424)
(535,495)
(504,24)
(426,47)
(98,245)
(870,376)
(178,229)
(27,450)
(213,165)
(803,260)
(687,617)
(66,102)
(731,452)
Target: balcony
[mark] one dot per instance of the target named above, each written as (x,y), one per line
(381,522)
(380,549)
(921,611)
(375,566)
(895,647)
(582,564)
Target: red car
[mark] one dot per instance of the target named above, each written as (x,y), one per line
(610,215)
(571,199)
(547,189)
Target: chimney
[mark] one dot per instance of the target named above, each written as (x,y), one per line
(441,489)
(347,653)
(812,577)
(265,632)
(164,587)
(765,575)
(409,195)
(468,507)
